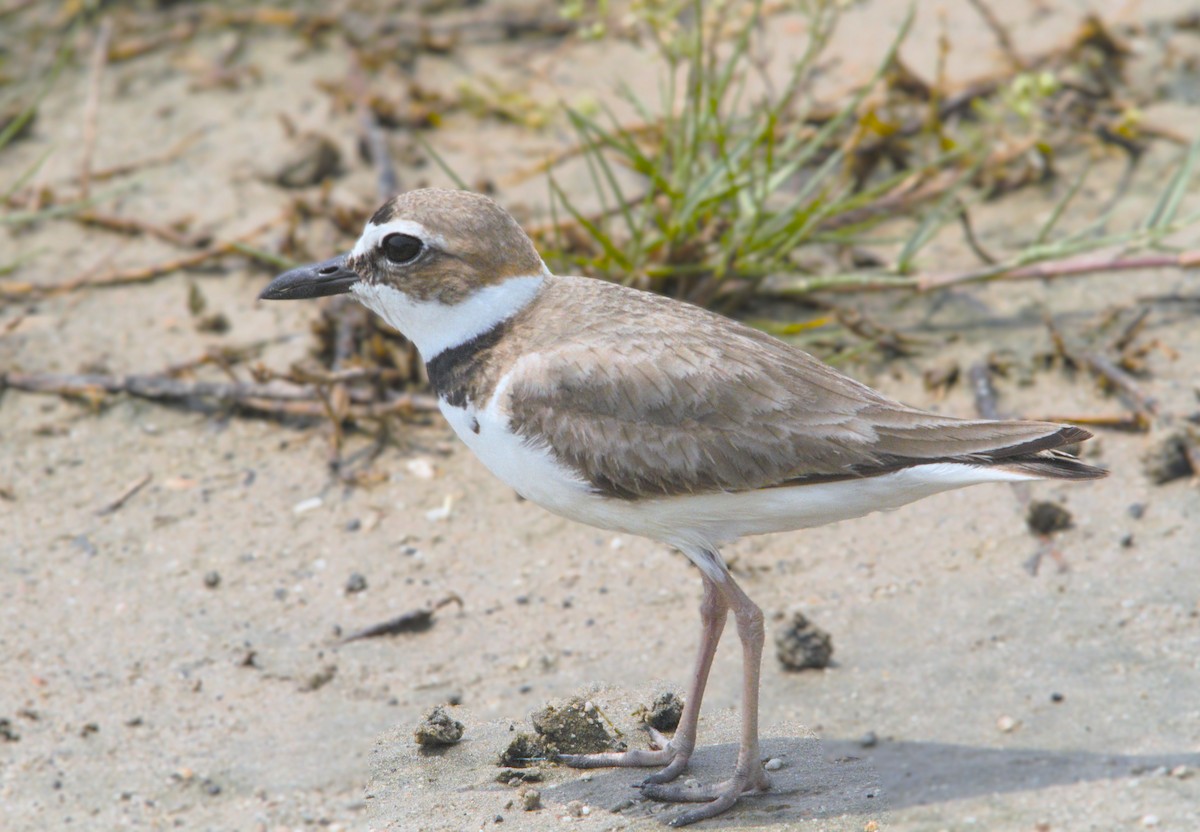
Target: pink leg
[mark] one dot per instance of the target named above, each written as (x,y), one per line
(748,775)
(674,753)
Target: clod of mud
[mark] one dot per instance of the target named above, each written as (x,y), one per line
(663,714)
(576,727)
(438,729)
(524,750)
(802,644)
(521,776)
(1045,518)
(531,800)
(1171,459)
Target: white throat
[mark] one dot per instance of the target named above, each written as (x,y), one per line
(434,326)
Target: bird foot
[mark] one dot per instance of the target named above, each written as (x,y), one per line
(663,751)
(716,798)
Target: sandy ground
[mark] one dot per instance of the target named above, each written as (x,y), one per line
(176,664)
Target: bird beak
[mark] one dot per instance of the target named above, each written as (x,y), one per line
(313,281)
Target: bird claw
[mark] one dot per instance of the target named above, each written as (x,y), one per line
(716,798)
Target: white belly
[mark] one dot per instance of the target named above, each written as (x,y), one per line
(704,521)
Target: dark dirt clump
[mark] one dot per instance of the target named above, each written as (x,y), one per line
(663,714)
(438,729)
(1171,459)
(802,644)
(525,750)
(574,728)
(1046,518)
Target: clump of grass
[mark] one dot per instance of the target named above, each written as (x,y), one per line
(728,187)
(716,194)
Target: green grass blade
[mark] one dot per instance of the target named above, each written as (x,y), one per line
(1177,187)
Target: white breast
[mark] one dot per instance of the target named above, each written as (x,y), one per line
(532,471)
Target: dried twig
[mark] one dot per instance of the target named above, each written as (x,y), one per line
(1125,384)
(131,489)
(166,157)
(91,106)
(276,399)
(1132,423)
(387,183)
(413,621)
(128,225)
(1102,261)
(148,273)
(1000,33)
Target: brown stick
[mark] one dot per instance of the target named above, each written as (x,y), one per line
(1124,383)
(1134,423)
(91,105)
(142,274)
(413,621)
(1000,33)
(167,156)
(128,225)
(273,398)
(133,488)
(1104,261)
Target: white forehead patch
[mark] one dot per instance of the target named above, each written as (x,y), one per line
(372,234)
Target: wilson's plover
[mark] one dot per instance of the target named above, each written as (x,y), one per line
(633,412)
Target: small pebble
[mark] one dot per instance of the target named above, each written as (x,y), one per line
(1057,697)
(307,505)
(773,764)
(1006,724)
(531,800)
(1149,820)
(869,740)
(1181,772)
(353,524)
(355,583)
(212,579)
(576,809)
(1137,511)
(421,468)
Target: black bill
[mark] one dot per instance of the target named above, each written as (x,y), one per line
(312,281)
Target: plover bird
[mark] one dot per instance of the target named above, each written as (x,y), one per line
(637,413)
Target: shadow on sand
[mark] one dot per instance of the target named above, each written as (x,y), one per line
(829,778)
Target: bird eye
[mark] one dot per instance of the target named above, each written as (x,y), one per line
(401,248)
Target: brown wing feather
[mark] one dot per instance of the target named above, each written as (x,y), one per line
(649,397)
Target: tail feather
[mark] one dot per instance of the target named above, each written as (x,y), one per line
(1052,465)
(1043,457)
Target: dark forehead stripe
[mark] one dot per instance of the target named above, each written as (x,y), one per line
(384,213)
(459,374)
